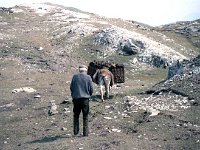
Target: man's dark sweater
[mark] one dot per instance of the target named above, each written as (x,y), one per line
(81,86)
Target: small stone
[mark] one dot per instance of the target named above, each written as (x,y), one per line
(28,89)
(153,112)
(109,118)
(53,109)
(107,107)
(116,130)
(37,96)
(52,101)
(66,110)
(66,101)
(18,109)
(126,116)
(40,49)
(68,135)
(63,129)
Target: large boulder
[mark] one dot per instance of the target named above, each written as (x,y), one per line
(131,47)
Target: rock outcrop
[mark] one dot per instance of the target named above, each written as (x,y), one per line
(183,79)
(6,10)
(127,42)
(189,29)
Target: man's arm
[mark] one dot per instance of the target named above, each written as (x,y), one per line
(71,84)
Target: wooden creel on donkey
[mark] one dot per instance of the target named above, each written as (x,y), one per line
(106,72)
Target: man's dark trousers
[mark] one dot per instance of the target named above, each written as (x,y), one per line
(81,104)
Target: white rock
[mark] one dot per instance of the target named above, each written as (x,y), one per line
(41,48)
(53,109)
(37,96)
(107,107)
(54,106)
(63,129)
(66,110)
(8,105)
(24,89)
(116,130)
(109,118)
(153,112)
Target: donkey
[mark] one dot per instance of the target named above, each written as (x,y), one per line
(103,77)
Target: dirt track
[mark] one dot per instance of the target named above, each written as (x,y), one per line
(25,123)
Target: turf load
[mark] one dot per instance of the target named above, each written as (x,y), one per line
(116,69)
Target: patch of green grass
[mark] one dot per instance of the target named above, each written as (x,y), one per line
(149,75)
(186,42)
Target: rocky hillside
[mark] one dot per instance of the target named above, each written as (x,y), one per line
(187,29)
(59,33)
(41,46)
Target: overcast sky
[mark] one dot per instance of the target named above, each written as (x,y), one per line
(152,12)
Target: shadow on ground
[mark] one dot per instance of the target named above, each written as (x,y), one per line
(49,139)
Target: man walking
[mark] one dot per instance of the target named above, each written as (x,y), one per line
(81,90)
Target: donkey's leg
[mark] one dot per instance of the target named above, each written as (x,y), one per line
(107,88)
(107,92)
(101,92)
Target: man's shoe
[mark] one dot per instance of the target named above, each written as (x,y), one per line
(85,134)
